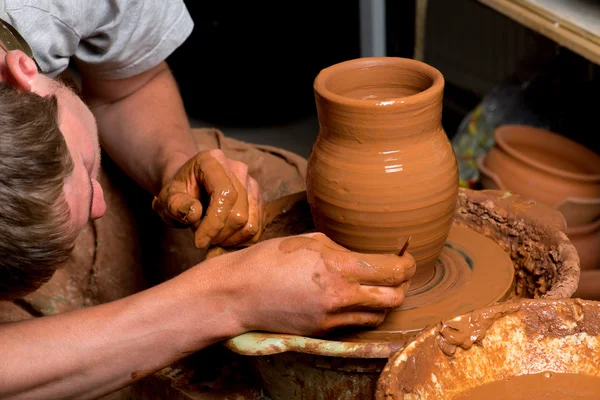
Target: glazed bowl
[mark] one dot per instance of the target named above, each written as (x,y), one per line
(546,167)
(541,339)
(546,265)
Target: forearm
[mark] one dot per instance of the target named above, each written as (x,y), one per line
(143,127)
(94,351)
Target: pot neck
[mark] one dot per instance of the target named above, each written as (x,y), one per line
(379,97)
(388,119)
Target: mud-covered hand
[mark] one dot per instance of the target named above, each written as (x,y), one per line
(216,197)
(309,285)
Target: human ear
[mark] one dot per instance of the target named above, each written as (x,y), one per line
(20,70)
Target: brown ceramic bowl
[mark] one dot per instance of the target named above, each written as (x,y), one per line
(548,337)
(546,167)
(586,239)
(589,285)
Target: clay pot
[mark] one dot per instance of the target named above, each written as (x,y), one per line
(548,338)
(586,239)
(546,167)
(293,367)
(589,286)
(382,168)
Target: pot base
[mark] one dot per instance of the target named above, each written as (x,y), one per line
(471,272)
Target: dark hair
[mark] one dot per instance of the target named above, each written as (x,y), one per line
(36,235)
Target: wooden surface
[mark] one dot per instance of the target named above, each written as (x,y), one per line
(558,22)
(580,16)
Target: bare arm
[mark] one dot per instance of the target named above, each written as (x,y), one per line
(304,285)
(91,352)
(143,124)
(144,128)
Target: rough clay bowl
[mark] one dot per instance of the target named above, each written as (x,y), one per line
(547,167)
(491,344)
(546,266)
(584,235)
(586,239)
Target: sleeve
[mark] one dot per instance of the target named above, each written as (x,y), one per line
(132,36)
(110,38)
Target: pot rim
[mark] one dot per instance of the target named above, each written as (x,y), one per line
(500,137)
(364,63)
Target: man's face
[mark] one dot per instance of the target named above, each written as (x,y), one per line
(78,125)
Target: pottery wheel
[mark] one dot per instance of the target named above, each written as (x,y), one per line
(471,272)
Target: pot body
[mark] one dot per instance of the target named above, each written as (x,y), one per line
(382,168)
(586,239)
(544,166)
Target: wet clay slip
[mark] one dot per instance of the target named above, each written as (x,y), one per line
(539,348)
(546,386)
(382,168)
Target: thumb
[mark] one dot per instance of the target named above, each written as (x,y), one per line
(178,209)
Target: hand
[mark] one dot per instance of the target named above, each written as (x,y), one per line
(235,209)
(309,285)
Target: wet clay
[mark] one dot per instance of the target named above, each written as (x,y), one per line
(542,386)
(472,272)
(484,347)
(382,168)
(227,212)
(372,270)
(471,328)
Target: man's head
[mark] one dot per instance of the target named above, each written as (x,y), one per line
(49,162)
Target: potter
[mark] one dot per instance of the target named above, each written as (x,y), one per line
(71,316)
(382,168)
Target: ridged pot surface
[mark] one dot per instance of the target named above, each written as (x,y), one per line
(382,168)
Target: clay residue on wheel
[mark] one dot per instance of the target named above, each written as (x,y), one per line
(546,263)
(525,336)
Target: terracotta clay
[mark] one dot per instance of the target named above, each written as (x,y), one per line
(544,263)
(382,168)
(546,167)
(586,239)
(547,385)
(589,285)
(231,216)
(472,272)
(487,346)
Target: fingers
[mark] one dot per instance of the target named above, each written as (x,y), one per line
(369,298)
(210,172)
(179,209)
(357,318)
(252,231)
(366,269)
(234,210)
(238,217)
(381,269)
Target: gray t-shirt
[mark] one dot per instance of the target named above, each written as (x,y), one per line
(112,38)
